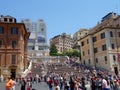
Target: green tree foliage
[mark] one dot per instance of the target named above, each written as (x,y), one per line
(73,52)
(53,50)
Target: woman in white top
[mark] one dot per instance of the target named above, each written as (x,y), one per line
(13,84)
(57,87)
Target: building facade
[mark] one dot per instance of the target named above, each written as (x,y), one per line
(37,43)
(101,46)
(13,47)
(79,34)
(63,42)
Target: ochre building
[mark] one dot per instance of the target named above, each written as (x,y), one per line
(13,47)
(101,46)
(63,42)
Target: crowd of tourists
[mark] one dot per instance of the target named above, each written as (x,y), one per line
(96,78)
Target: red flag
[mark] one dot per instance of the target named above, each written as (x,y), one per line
(118,57)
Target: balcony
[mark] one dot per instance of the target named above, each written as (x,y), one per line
(13,66)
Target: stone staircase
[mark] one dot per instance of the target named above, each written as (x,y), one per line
(37,69)
(54,68)
(62,69)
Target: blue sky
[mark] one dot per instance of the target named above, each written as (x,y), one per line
(60,15)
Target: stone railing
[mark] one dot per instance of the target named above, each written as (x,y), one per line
(27,71)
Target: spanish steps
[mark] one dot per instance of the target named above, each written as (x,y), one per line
(57,68)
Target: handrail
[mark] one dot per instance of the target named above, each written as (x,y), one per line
(25,73)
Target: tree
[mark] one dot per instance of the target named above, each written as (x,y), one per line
(53,50)
(76,53)
(73,52)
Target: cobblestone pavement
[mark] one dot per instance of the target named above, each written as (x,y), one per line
(38,86)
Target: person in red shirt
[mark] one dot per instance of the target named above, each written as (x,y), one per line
(50,83)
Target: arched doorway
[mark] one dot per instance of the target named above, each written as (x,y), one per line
(116,70)
(13,73)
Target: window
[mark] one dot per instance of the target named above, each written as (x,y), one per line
(95,50)
(84,62)
(14,30)
(0,60)
(10,20)
(14,43)
(94,39)
(82,43)
(104,47)
(31,40)
(83,53)
(41,39)
(87,41)
(112,46)
(102,35)
(30,47)
(42,29)
(13,59)
(0,43)
(27,29)
(105,59)
(118,34)
(88,51)
(89,61)
(114,58)
(111,34)
(96,60)
(5,19)
(41,48)
(1,30)
(60,49)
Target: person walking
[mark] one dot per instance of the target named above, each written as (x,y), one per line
(13,83)
(72,83)
(23,84)
(57,87)
(50,83)
(29,84)
(9,84)
(105,84)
